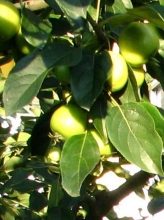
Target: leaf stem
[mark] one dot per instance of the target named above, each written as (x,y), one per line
(98,10)
(113,101)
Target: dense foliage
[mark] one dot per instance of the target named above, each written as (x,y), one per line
(62,55)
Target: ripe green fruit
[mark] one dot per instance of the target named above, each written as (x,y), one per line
(23,46)
(69,120)
(53,155)
(118,73)
(9,20)
(62,74)
(138,42)
(105,149)
(139,75)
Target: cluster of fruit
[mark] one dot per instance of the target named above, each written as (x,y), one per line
(10,27)
(69,120)
(136,48)
(10,35)
(137,43)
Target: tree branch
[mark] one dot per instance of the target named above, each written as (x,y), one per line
(106,200)
(99,32)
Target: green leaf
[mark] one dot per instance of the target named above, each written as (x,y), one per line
(88,78)
(140,13)
(155,67)
(56,194)
(26,214)
(127,3)
(117,7)
(37,201)
(27,76)
(129,94)
(148,13)
(75,11)
(34,29)
(27,185)
(18,175)
(79,157)
(23,199)
(13,162)
(132,131)
(156,205)
(157,117)
(157,189)
(7,215)
(161,2)
(98,113)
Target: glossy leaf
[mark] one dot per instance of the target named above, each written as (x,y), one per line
(148,13)
(88,78)
(157,117)
(34,29)
(27,76)
(130,127)
(134,14)
(127,3)
(79,157)
(129,94)
(75,11)
(117,7)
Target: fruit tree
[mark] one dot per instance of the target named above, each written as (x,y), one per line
(77,76)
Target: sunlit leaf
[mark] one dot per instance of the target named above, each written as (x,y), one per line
(27,76)
(79,157)
(117,7)
(130,127)
(75,11)
(157,117)
(34,29)
(134,14)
